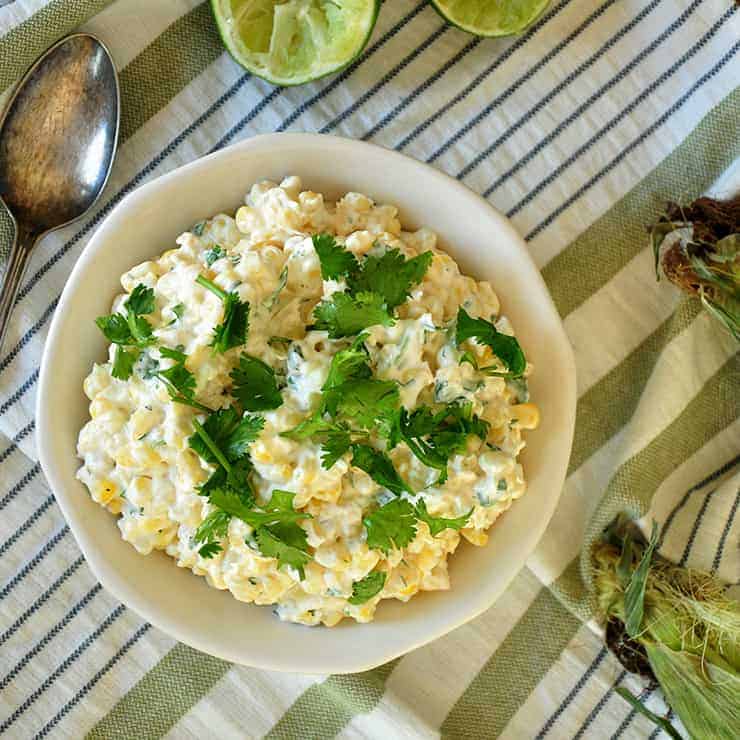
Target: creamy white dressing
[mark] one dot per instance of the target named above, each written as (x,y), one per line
(136,459)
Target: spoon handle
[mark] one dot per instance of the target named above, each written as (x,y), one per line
(16,266)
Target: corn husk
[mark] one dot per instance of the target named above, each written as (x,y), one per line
(683,624)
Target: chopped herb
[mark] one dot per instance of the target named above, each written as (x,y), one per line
(254,384)
(178,310)
(364,590)
(505,347)
(275,296)
(437,524)
(232,332)
(391,526)
(470,358)
(502,485)
(199,228)
(213,254)
(336,261)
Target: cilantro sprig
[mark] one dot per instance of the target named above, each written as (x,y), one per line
(232,331)
(364,589)
(130,331)
(375,286)
(380,468)
(505,347)
(438,524)
(255,385)
(178,380)
(224,439)
(435,437)
(391,526)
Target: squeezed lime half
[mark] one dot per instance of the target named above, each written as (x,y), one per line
(491,17)
(289,42)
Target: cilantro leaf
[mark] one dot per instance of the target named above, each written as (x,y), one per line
(178,310)
(379,467)
(115,328)
(389,275)
(212,528)
(310,426)
(364,590)
(254,384)
(141,300)
(343,315)
(348,364)
(335,260)
(210,550)
(364,401)
(284,543)
(435,437)
(178,380)
(505,347)
(232,331)
(437,524)
(123,362)
(130,328)
(334,446)
(229,431)
(392,525)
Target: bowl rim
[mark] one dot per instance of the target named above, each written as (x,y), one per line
(123,590)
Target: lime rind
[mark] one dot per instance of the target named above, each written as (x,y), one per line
(296,41)
(491,17)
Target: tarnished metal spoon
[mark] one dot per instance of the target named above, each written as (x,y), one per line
(57,142)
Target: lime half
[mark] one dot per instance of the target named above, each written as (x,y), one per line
(289,42)
(490,17)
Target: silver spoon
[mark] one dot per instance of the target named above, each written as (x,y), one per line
(57,142)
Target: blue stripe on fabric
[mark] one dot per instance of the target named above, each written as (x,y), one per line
(25,387)
(511,89)
(595,663)
(46,729)
(13,446)
(695,528)
(599,706)
(40,601)
(45,316)
(639,139)
(725,533)
(35,560)
(578,112)
(19,486)
(386,78)
(68,661)
(408,99)
(518,44)
(29,522)
(50,635)
(729,465)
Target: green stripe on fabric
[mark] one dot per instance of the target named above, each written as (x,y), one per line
(167,66)
(513,671)
(23,43)
(609,404)
(593,259)
(324,709)
(156,703)
(632,488)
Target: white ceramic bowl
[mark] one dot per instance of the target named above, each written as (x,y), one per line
(144,225)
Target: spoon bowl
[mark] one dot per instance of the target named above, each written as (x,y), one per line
(57,143)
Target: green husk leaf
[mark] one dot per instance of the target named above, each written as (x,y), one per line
(634,595)
(638,706)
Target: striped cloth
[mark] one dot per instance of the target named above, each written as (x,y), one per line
(579,131)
